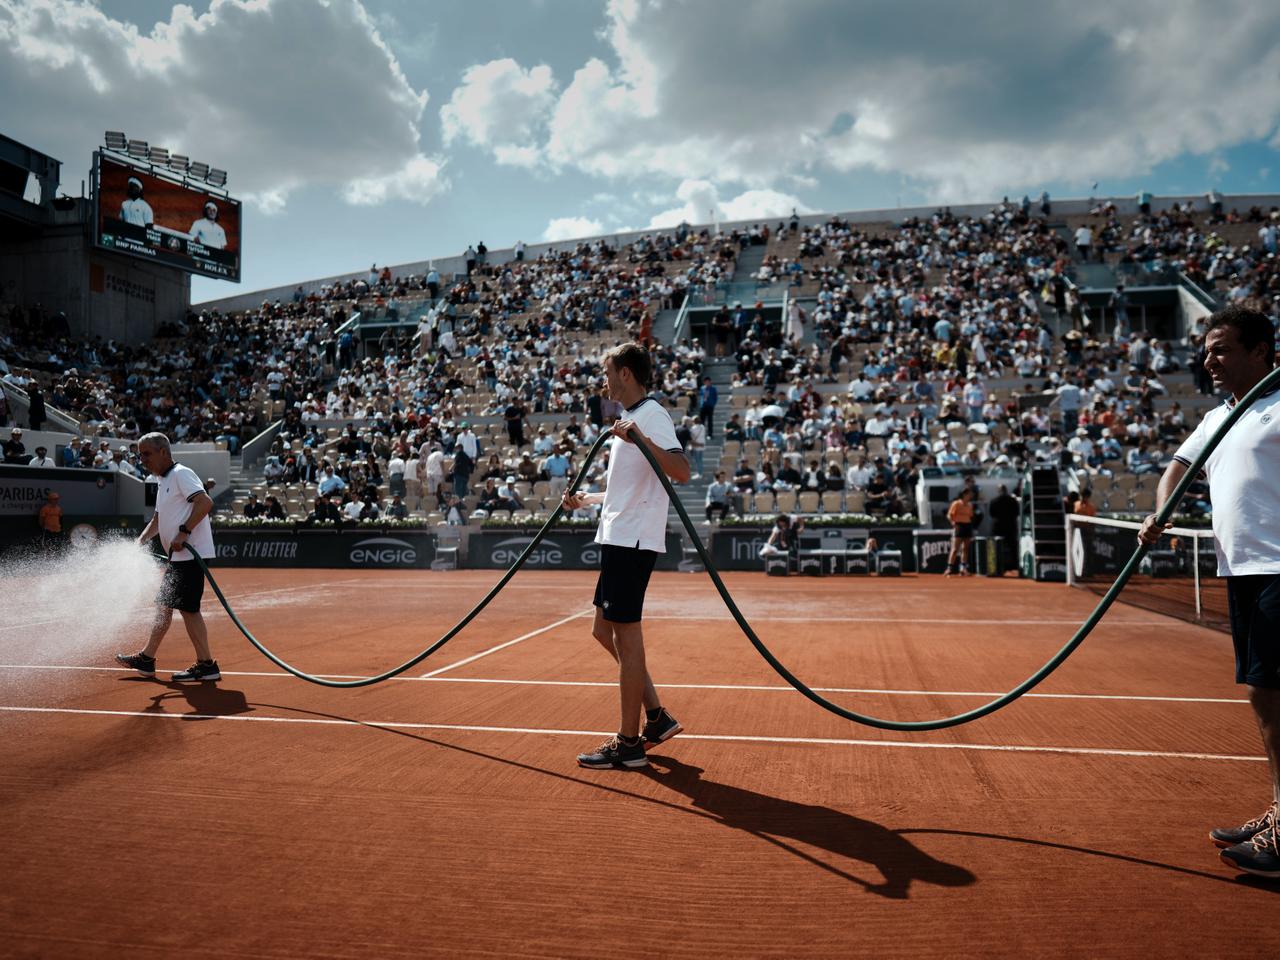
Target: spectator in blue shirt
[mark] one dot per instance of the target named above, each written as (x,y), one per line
(558,467)
(707,398)
(331,483)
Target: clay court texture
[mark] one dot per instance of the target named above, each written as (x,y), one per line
(442,814)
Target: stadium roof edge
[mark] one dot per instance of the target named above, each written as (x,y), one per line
(455,263)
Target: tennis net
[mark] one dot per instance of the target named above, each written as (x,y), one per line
(1178,576)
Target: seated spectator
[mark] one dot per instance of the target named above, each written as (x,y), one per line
(323,511)
(272,471)
(273,510)
(331,483)
(783,539)
(15,451)
(719,497)
(396,510)
(369,509)
(490,500)
(252,508)
(882,498)
(508,496)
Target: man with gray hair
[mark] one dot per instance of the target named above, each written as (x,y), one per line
(181,516)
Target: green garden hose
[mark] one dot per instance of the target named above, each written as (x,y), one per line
(1266,384)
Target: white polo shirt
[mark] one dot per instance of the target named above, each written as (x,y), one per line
(635,504)
(1244,485)
(178,487)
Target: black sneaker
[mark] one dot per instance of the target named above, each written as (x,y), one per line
(614,753)
(201,670)
(138,661)
(1259,856)
(662,729)
(1224,837)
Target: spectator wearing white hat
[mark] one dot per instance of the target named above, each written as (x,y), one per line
(15,451)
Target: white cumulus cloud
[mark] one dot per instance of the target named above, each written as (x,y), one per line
(280,93)
(701,203)
(501,106)
(968,100)
(572,228)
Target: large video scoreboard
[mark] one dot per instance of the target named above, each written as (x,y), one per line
(165,220)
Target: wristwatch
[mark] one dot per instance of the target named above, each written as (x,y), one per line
(183,528)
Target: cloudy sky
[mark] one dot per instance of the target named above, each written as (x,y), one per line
(391,130)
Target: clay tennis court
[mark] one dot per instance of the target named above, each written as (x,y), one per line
(443,815)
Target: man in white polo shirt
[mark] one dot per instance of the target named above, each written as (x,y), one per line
(632,533)
(1244,486)
(182,516)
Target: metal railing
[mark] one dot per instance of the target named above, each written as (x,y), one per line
(19,397)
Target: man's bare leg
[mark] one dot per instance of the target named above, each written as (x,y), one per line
(1266,704)
(164,617)
(198,633)
(603,631)
(634,684)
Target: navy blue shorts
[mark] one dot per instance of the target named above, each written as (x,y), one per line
(624,578)
(182,587)
(1254,603)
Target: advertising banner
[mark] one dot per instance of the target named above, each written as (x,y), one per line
(23,490)
(572,550)
(738,548)
(336,549)
(164,221)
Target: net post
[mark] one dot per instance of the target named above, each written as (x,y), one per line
(1195,559)
(1071,567)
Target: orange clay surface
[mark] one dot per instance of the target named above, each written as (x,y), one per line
(444,815)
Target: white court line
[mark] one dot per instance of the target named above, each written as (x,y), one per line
(733,738)
(767,618)
(503,646)
(746,687)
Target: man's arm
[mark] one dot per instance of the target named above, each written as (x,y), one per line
(150,530)
(1150,531)
(201,507)
(673,462)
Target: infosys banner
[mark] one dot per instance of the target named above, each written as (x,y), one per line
(738,548)
(498,550)
(335,549)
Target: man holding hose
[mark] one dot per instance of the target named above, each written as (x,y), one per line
(1244,485)
(632,533)
(182,515)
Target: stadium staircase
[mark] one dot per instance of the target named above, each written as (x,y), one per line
(749,260)
(664,326)
(693,495)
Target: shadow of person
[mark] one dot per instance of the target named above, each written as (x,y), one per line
(207,700)
(778,821)
(1242,879)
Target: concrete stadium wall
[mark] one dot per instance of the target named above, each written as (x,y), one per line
(1125,206)
(102,293)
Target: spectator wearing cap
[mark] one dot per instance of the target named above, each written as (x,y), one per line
(253,509)
(42,458)
(71,453)
(508,496)
(15,451)
(50,521)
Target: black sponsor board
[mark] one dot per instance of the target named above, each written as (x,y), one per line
(23,490)
(340,549)
(571,550)
(738,548)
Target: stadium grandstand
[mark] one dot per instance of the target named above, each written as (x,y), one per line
(847,350)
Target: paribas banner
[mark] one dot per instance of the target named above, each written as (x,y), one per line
(23,490)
